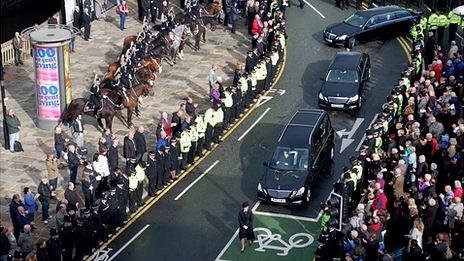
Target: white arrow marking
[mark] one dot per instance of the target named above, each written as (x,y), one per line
(364,136)
(342,132)
(348,140)
(262,100)
(281,92)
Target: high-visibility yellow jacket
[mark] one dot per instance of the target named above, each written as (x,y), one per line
(453,18)
(443,20)
(201,126)
(261,71)
(133,182)
(184,142)
(274,58)
(432,21)
(243,82)
(209,117)
(253,80)
(193,134)
(228,101)
(139,173)
(423,22)
(218,116)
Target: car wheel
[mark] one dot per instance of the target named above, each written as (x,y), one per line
(352,43)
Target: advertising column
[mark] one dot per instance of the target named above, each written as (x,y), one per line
(52,74)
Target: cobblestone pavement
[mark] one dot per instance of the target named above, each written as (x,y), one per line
(187,77)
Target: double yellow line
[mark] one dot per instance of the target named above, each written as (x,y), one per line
(151,201)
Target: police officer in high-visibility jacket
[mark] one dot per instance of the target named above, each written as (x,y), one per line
(261,73)
(252,84)
(140,174)
(201,129)
(209,121)
(193,133)
(133,183)
(218,117)
(243,87)
(274,61)
(432,22)
(454,21)
(442,24)
(228,102)
(185,144)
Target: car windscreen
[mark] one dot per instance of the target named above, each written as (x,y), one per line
(356,20)
(342,76)
(289,159)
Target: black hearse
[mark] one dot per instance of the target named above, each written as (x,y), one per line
(304,150)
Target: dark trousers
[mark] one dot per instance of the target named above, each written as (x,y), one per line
(183,163)
(191,153)
(217,132)
(88,199)
(200,146)
(18,57)
(452,32)
(227,116)
(67,253)
(139,192)
(73,175)
(208,137)
(133,200)
(87,31)
(440,33)
(159,180)
(152,184)
(234,25)
(166,177)
(45,206)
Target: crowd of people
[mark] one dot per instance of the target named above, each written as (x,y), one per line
(103,190)
(403,191)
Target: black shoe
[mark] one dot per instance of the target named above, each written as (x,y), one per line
(301,5)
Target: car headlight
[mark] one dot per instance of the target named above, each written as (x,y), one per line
(260,188)
(353,99)
(297,193)
(322,97)
(342,38)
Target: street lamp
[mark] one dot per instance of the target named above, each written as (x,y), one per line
(6,137)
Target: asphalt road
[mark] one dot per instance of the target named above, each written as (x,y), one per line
(200,223)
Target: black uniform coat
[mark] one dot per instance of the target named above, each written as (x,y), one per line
(140,143)
(245,218)
(128,148)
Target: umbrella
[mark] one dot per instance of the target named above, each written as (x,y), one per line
(459,10)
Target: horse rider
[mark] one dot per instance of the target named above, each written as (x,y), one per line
(95,95)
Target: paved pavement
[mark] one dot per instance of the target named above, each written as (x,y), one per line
(199,222)
(187,77)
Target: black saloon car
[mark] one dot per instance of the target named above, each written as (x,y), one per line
(375,23)
(343,83)
(304,150)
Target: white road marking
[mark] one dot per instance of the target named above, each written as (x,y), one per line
(349,134)
(262,100)
(375,5)
(200,177)
(254,124)
(128,242)
(314,8)
(364,136)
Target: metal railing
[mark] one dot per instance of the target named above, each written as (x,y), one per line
(8,56)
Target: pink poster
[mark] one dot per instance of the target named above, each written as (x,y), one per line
(47,83)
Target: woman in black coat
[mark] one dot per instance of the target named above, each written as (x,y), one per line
(245,219)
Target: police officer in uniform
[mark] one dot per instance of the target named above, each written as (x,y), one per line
(185,144)
(209,121)
(151,173)
(166,166)
(67,236)
(201,129)
(160,167)
(193,134)
(228,102)
(442,24)
(54,245)
(174,158)
(133,183)
(95,96)
(140,174)
(218,117)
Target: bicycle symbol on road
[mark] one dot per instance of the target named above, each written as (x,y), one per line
(100,255)
(265,238)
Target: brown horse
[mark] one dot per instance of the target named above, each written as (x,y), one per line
(210,13)
(112,69)
(130,98)
(126,43)
(153,64)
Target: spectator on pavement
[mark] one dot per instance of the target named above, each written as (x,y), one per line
(25,241)
(140,143)
(52,171)
(18,49)
(30,203)
(14,126)
(60,142)
(45,194)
